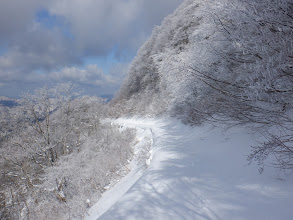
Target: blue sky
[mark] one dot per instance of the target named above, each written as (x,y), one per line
(88,42)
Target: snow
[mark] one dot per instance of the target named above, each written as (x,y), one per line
(195,173)
(137,167)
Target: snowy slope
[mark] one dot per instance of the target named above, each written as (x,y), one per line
(196,173)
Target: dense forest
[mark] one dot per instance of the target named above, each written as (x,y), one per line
(56,154)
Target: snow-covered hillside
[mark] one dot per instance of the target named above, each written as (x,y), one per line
(196,173)
(227,57)
(227,61)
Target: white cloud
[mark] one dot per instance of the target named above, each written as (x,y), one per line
(91,75)
(34,52)
(100,25)
(16,16)
(39,49)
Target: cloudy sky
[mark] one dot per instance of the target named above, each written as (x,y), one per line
(87,42)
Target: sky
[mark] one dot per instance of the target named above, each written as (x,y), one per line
(88,42)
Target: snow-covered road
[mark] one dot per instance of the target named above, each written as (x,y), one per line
(195,173)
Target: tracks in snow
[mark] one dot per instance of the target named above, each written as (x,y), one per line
(143,153)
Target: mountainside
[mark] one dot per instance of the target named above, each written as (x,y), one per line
(229,58)
(147,88)
(228,61)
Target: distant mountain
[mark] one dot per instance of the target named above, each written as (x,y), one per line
(108,97)
(8,102)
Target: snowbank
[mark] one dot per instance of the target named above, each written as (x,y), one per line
(196,173)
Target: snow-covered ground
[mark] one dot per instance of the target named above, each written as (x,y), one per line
(195,173)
